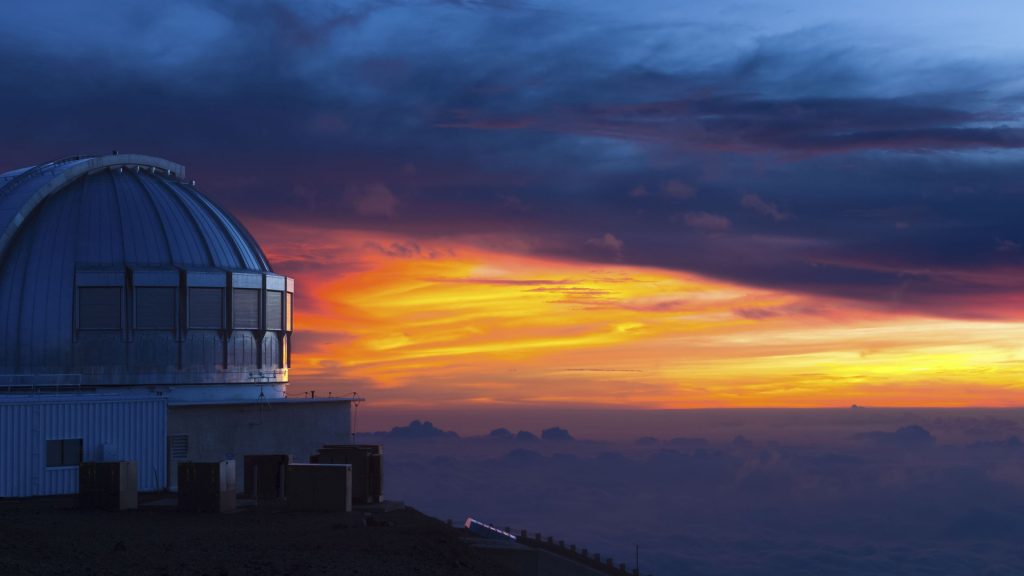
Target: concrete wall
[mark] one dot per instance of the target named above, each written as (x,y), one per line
(111,428)
(230,431)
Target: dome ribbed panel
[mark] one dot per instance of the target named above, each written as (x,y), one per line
(184,239)
(219,245)
(141,223)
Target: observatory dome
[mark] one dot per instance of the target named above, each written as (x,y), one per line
(116,271)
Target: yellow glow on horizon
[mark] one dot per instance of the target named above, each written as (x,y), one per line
(456,324)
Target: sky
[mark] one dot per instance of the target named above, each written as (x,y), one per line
(652,204)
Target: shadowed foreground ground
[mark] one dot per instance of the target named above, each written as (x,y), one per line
(50,536)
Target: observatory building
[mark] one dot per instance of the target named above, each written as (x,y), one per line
(139,321)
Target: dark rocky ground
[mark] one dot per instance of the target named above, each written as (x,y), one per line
(51,536)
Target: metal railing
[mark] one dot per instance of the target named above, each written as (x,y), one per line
(592,560)
(40,383)
(267,376)
(34,171)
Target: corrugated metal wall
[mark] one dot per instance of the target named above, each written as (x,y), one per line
(110,429)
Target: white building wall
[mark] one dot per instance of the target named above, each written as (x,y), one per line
(297,427)
(111,428)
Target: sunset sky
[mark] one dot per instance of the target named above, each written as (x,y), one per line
(654,204)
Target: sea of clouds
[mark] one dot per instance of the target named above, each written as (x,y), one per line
(876,492)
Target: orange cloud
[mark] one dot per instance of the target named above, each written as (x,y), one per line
(447,322)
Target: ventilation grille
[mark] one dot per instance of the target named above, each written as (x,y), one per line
(178,446)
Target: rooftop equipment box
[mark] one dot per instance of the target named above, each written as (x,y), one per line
(108,485)
(264,475)
(321,487)
(367,468)
(206,486)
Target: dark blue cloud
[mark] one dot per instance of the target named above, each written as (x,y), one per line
(812,156)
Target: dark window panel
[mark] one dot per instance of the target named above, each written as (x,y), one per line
(99,308)
(245,308)
(71,453)
(206,308)
(154,308)
(63,452)
(54,452)
(274,303)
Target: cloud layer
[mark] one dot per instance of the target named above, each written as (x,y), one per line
(859,491)
(817,154)
(826,159)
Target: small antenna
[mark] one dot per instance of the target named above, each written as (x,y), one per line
(355,415)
